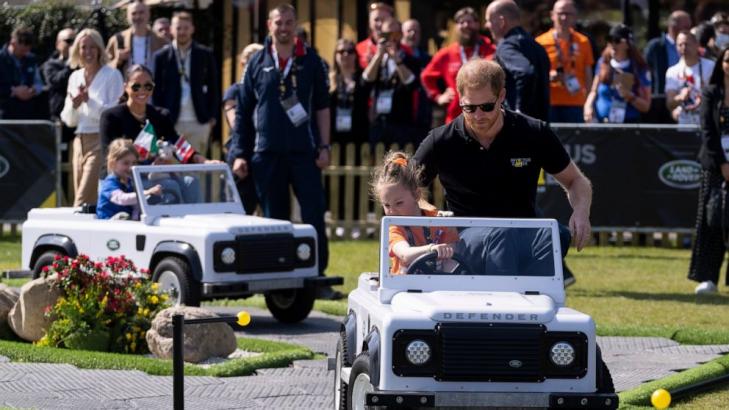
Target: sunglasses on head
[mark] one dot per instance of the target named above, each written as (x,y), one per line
(147,86)
(485,107)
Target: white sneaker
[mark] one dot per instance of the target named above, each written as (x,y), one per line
(706,288)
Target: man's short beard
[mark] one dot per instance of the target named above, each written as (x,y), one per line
(467,41)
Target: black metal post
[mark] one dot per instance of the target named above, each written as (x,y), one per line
(178,369)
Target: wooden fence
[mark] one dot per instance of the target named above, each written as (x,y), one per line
(353,214)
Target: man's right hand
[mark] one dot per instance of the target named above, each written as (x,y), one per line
(22,92)
(447,96)
(240,168)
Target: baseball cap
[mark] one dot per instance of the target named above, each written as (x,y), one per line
(620,32)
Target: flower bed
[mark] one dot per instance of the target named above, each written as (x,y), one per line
(104,306)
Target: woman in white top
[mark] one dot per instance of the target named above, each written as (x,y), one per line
(91,90)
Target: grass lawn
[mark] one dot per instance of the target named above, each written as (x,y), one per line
(274,354)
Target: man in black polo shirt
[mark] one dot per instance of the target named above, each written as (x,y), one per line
(489,158)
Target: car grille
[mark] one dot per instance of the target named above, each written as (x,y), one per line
(490,352)
(265,253)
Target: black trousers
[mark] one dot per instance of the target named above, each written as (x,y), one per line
(709,248)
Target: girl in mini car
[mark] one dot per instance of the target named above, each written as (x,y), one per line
(395,184)
(117,199)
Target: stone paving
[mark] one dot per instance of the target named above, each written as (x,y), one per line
(306,385)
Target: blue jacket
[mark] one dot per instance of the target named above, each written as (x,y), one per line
(527,73)
(11,75)
(203,82)
(261,122)
(656,55)
(105,209)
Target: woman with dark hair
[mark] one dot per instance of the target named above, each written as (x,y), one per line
(621,90)
(134,114)
(711,234)
(349,95)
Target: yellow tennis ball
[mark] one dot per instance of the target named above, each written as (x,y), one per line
(244,318)
(661,399)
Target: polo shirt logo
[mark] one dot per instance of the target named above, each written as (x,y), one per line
(520,162)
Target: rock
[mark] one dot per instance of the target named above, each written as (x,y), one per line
(200,342)
(8,297)
(27,317)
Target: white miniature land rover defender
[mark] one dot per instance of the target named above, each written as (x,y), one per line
(485,329)
(194,238)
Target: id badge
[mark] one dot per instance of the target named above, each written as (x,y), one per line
(384,102)
(617,111)
(688,117)
(344,119)
(186,92)
(295,111)
(572,84)
(725,145)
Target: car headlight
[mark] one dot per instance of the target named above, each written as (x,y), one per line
(303,251)
(417,352)
(227,255)
(562,354)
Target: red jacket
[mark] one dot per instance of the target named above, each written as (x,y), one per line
(445,65)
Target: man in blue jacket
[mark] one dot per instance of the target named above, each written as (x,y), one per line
(282,127)
(525,61)
(21,87)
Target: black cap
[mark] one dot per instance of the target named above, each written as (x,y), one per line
(619,32)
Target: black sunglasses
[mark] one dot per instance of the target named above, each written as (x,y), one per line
(147,86)
(68,40)
(485,107)
(346,52)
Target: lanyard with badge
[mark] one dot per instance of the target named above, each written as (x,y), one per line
(184,76)
(570,80)
(388,81)
(294,110)
(618,106)
(345,102)
(686,116)
(474,54)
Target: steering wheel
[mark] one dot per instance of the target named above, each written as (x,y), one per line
(166,198)
(426,265)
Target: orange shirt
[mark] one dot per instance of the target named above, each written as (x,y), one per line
(572,62)
(399,234)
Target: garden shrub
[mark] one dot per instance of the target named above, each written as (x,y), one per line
(106,306)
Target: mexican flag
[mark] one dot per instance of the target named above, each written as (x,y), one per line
(146,142)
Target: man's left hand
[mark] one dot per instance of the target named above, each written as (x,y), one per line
(580,229)
(322,161)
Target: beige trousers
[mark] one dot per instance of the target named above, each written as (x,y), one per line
(86,166)
(198,135)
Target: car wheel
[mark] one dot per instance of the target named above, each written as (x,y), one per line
(604,379)
(290,305)
(174,277)
(46,259)
(340,387)
(360,384)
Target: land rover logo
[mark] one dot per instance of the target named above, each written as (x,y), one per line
(515,363)
(112,244)
(4,166)
(681,174)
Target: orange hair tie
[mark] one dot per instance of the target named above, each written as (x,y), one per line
(400,161)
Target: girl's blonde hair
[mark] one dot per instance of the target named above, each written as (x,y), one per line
(398,168)
(75,52)
(118,149)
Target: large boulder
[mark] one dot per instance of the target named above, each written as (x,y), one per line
(8,297)
(200,342)
(27,317)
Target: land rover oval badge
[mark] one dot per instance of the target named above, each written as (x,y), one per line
(4,166)
(515,363)
(112,244)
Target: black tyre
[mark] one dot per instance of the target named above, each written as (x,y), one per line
(46,259)
(604,379)
(290,305)
(360,384)
(174,276)
(340,387)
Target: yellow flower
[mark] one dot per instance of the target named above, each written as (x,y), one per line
(164,297)
(153,299)
(136,329)
(138,285)
(129,336)
(133,346)
(146,312)
(155,286)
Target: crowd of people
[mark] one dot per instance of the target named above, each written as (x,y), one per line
(290,106)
